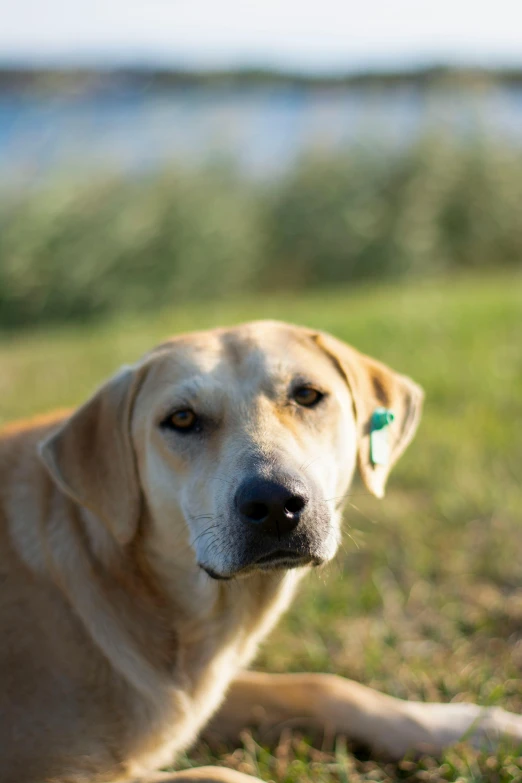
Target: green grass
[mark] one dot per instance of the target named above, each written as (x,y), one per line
(425,597)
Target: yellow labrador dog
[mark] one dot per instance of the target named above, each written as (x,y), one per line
(150,539)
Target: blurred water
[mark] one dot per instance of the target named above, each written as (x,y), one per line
(261,129)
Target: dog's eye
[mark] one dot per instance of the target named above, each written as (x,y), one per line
(184,420)
(307,396)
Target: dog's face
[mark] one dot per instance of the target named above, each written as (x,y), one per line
(250,434)
(236,445)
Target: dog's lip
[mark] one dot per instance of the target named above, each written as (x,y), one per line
(278,559)
(215,575)
(280,556)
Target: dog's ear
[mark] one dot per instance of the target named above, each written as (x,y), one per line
(92,459)
(375,386)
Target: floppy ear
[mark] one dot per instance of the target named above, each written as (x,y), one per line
(374,385)
(91,457)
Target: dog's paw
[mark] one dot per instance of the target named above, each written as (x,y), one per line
(483,727)
(497,726)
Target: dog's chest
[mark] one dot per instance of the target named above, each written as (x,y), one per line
(212,651)
(213,648)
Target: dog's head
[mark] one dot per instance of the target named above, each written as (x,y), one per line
(235,445)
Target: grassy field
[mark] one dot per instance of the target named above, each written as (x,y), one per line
(425,597)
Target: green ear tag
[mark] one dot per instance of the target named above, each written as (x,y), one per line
(379,436)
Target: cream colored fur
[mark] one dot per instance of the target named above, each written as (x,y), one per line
(118,646)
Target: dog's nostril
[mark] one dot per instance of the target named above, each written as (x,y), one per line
(273,507)
(257,512)
(295,504)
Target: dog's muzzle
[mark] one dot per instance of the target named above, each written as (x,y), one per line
(278,526)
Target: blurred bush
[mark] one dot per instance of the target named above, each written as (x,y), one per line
(72,252)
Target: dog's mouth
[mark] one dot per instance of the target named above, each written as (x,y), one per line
(278,560)
(281,558)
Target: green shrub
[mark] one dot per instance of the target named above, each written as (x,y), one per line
(73,252)
(434,208)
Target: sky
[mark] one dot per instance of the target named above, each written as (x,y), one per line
(323,35)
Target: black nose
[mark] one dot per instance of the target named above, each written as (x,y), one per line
(275,508)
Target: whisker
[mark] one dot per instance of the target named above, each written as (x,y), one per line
(349,495)
(306,465)
(220,478)
(208,530)
(354,541)
(365,516)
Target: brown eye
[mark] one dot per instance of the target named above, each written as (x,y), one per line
(183,420)
(307,396)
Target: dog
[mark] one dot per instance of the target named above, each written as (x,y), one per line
(151,538)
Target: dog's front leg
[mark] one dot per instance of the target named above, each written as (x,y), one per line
(269,702)
(199,775)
